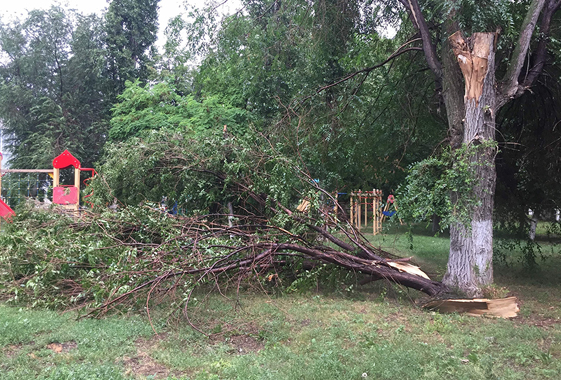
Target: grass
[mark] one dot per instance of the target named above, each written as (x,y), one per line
(344,332)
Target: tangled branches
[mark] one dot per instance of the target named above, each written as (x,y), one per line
(102,261)
(137,255)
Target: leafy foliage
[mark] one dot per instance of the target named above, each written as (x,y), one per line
(53,95)
(60,74)
(279,61)
(145,108)
(195,171)
(53,260)
(441,186)
(131,29)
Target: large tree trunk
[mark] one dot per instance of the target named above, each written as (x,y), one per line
(470,265)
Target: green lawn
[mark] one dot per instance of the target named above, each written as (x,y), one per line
(374,331)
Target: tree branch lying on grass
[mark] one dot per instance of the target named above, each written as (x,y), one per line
(252,256)
(138,255)
(130,261)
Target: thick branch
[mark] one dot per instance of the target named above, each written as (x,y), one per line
(375,268)
(540,54)
(509,84)
(429,48)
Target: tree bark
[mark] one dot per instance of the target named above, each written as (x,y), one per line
(453,87)
(470,265)
(533,226)
(472,122)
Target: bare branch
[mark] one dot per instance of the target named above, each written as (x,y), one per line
(540,55)
(394,55)
(509,85)
(412,6)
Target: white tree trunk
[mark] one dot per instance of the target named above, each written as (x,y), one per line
(470,264)
(230,217)
(533,226)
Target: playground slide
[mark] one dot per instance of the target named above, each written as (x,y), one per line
(6,211)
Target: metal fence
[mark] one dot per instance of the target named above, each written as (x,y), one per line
(17,186)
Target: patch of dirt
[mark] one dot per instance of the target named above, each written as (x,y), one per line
(142,365)
(150,344)
(62,347)
(244,344)
(69,346)
(362,310)
(538,321)
(241,338)
(56,347)
(12,350)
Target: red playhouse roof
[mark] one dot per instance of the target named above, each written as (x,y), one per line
(65,160)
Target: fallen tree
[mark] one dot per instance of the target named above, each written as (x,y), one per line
(250,253)
(139,253)
(104,260)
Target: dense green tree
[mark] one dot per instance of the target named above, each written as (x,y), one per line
(273,59)
(149,108)
(173,64)
(528,165)
(62,73)
(131,29)
(52,89)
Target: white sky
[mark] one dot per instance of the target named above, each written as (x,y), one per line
(168,8)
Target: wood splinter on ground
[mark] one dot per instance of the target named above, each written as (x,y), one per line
(500,308)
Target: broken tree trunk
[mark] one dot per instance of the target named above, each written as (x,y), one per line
(471,121)
(470,265)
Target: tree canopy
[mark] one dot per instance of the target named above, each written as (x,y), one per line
(53,93)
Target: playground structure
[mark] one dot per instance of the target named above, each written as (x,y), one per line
(66,197)
(369,203)
(364,206)
(361,202)
(6,211)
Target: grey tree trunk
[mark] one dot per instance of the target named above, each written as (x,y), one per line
(470,265)
(435,223)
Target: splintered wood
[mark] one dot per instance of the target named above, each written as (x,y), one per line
(500,308)
(472,55)
(304,206)
(408,268)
